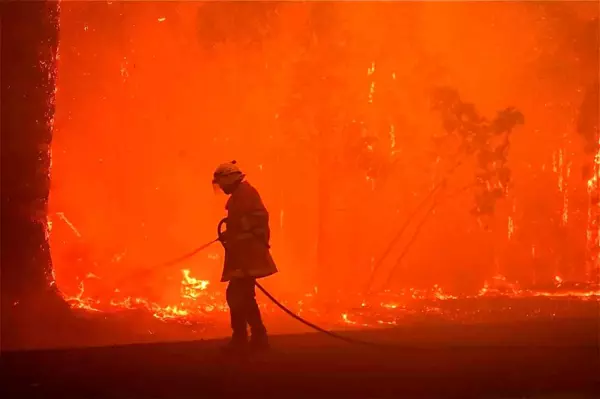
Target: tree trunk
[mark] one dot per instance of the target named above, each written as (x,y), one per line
(30,300)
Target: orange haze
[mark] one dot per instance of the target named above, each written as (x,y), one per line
(152,96)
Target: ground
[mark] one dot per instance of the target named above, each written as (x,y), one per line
(541,358)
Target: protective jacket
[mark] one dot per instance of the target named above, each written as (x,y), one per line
(247,236)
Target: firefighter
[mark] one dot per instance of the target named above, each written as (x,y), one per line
(247,256)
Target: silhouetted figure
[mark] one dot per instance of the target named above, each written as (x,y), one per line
(247,256)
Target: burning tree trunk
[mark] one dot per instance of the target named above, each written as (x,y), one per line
(30,301)
(588,128)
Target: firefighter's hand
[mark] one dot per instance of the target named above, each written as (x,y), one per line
(223,239)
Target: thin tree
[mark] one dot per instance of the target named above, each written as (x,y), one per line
(486,141)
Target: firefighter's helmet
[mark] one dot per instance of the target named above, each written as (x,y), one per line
(227,174)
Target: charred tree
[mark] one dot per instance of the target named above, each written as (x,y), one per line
(30,300)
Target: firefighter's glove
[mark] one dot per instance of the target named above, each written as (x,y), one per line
(223,239)
(222,235)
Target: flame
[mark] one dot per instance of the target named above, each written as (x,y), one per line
(565,208)
(62,217)
(563,170)
(593,219)
(393,138)
(558,280)
(370,72)
(511,227)
(371,69)
(197,302)
(191,287)
(346,320)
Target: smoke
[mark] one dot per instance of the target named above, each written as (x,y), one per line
(153,95)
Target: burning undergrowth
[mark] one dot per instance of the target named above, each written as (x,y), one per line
(202,307)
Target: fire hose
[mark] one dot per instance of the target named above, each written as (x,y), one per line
(272,298)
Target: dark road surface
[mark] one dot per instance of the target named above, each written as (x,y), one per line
(520,360)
